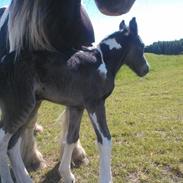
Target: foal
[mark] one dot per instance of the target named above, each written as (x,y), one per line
(81,81)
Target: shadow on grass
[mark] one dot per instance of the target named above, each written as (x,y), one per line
(52,176)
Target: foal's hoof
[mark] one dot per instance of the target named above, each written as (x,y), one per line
(81,160)
(67,177)
(38,165)
(79,157)
(38,129)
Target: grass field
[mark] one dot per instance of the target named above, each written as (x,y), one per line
(145,116)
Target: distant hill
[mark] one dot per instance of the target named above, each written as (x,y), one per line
(166,47)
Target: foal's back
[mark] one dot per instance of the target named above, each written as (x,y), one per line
(68,78)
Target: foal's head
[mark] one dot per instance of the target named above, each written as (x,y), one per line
(134,47)
(125,47)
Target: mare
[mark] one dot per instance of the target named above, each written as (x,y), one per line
(64,17)
(82,80)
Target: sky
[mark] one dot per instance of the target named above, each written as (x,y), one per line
(158,20)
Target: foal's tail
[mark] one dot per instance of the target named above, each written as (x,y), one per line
(63,120)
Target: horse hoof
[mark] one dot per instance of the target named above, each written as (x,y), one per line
(79,157)
(38,165)
(38,129)
(36,162)
(67,177)
(79,162)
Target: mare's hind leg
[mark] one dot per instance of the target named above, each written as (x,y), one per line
(15,118)
(4,168)
(72,136)
(17,164)
(79,155)
(31,156)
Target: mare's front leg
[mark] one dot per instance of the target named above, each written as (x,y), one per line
(70,140)
(98,118)
(31,156)
(79,155)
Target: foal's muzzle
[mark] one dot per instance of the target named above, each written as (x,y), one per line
(144,70)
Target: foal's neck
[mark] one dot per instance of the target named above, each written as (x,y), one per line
(113,55)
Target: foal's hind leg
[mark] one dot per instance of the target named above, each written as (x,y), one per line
(72,136)
(79,155)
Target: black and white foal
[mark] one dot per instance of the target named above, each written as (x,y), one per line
(80,81)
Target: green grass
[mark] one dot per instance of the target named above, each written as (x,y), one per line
(145,116)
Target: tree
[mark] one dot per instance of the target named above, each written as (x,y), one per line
(166,47)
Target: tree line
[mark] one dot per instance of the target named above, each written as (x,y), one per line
(166,47)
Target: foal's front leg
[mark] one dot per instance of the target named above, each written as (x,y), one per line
(98,118)
(71,138)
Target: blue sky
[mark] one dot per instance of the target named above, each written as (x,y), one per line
(157,19)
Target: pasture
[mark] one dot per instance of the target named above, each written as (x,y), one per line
(145,117)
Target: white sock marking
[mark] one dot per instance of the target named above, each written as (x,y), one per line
(105,154)
(64,168)
(18,167)
(112,43)
(105,160)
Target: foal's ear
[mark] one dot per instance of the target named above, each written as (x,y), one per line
(122,25)
(133,26)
